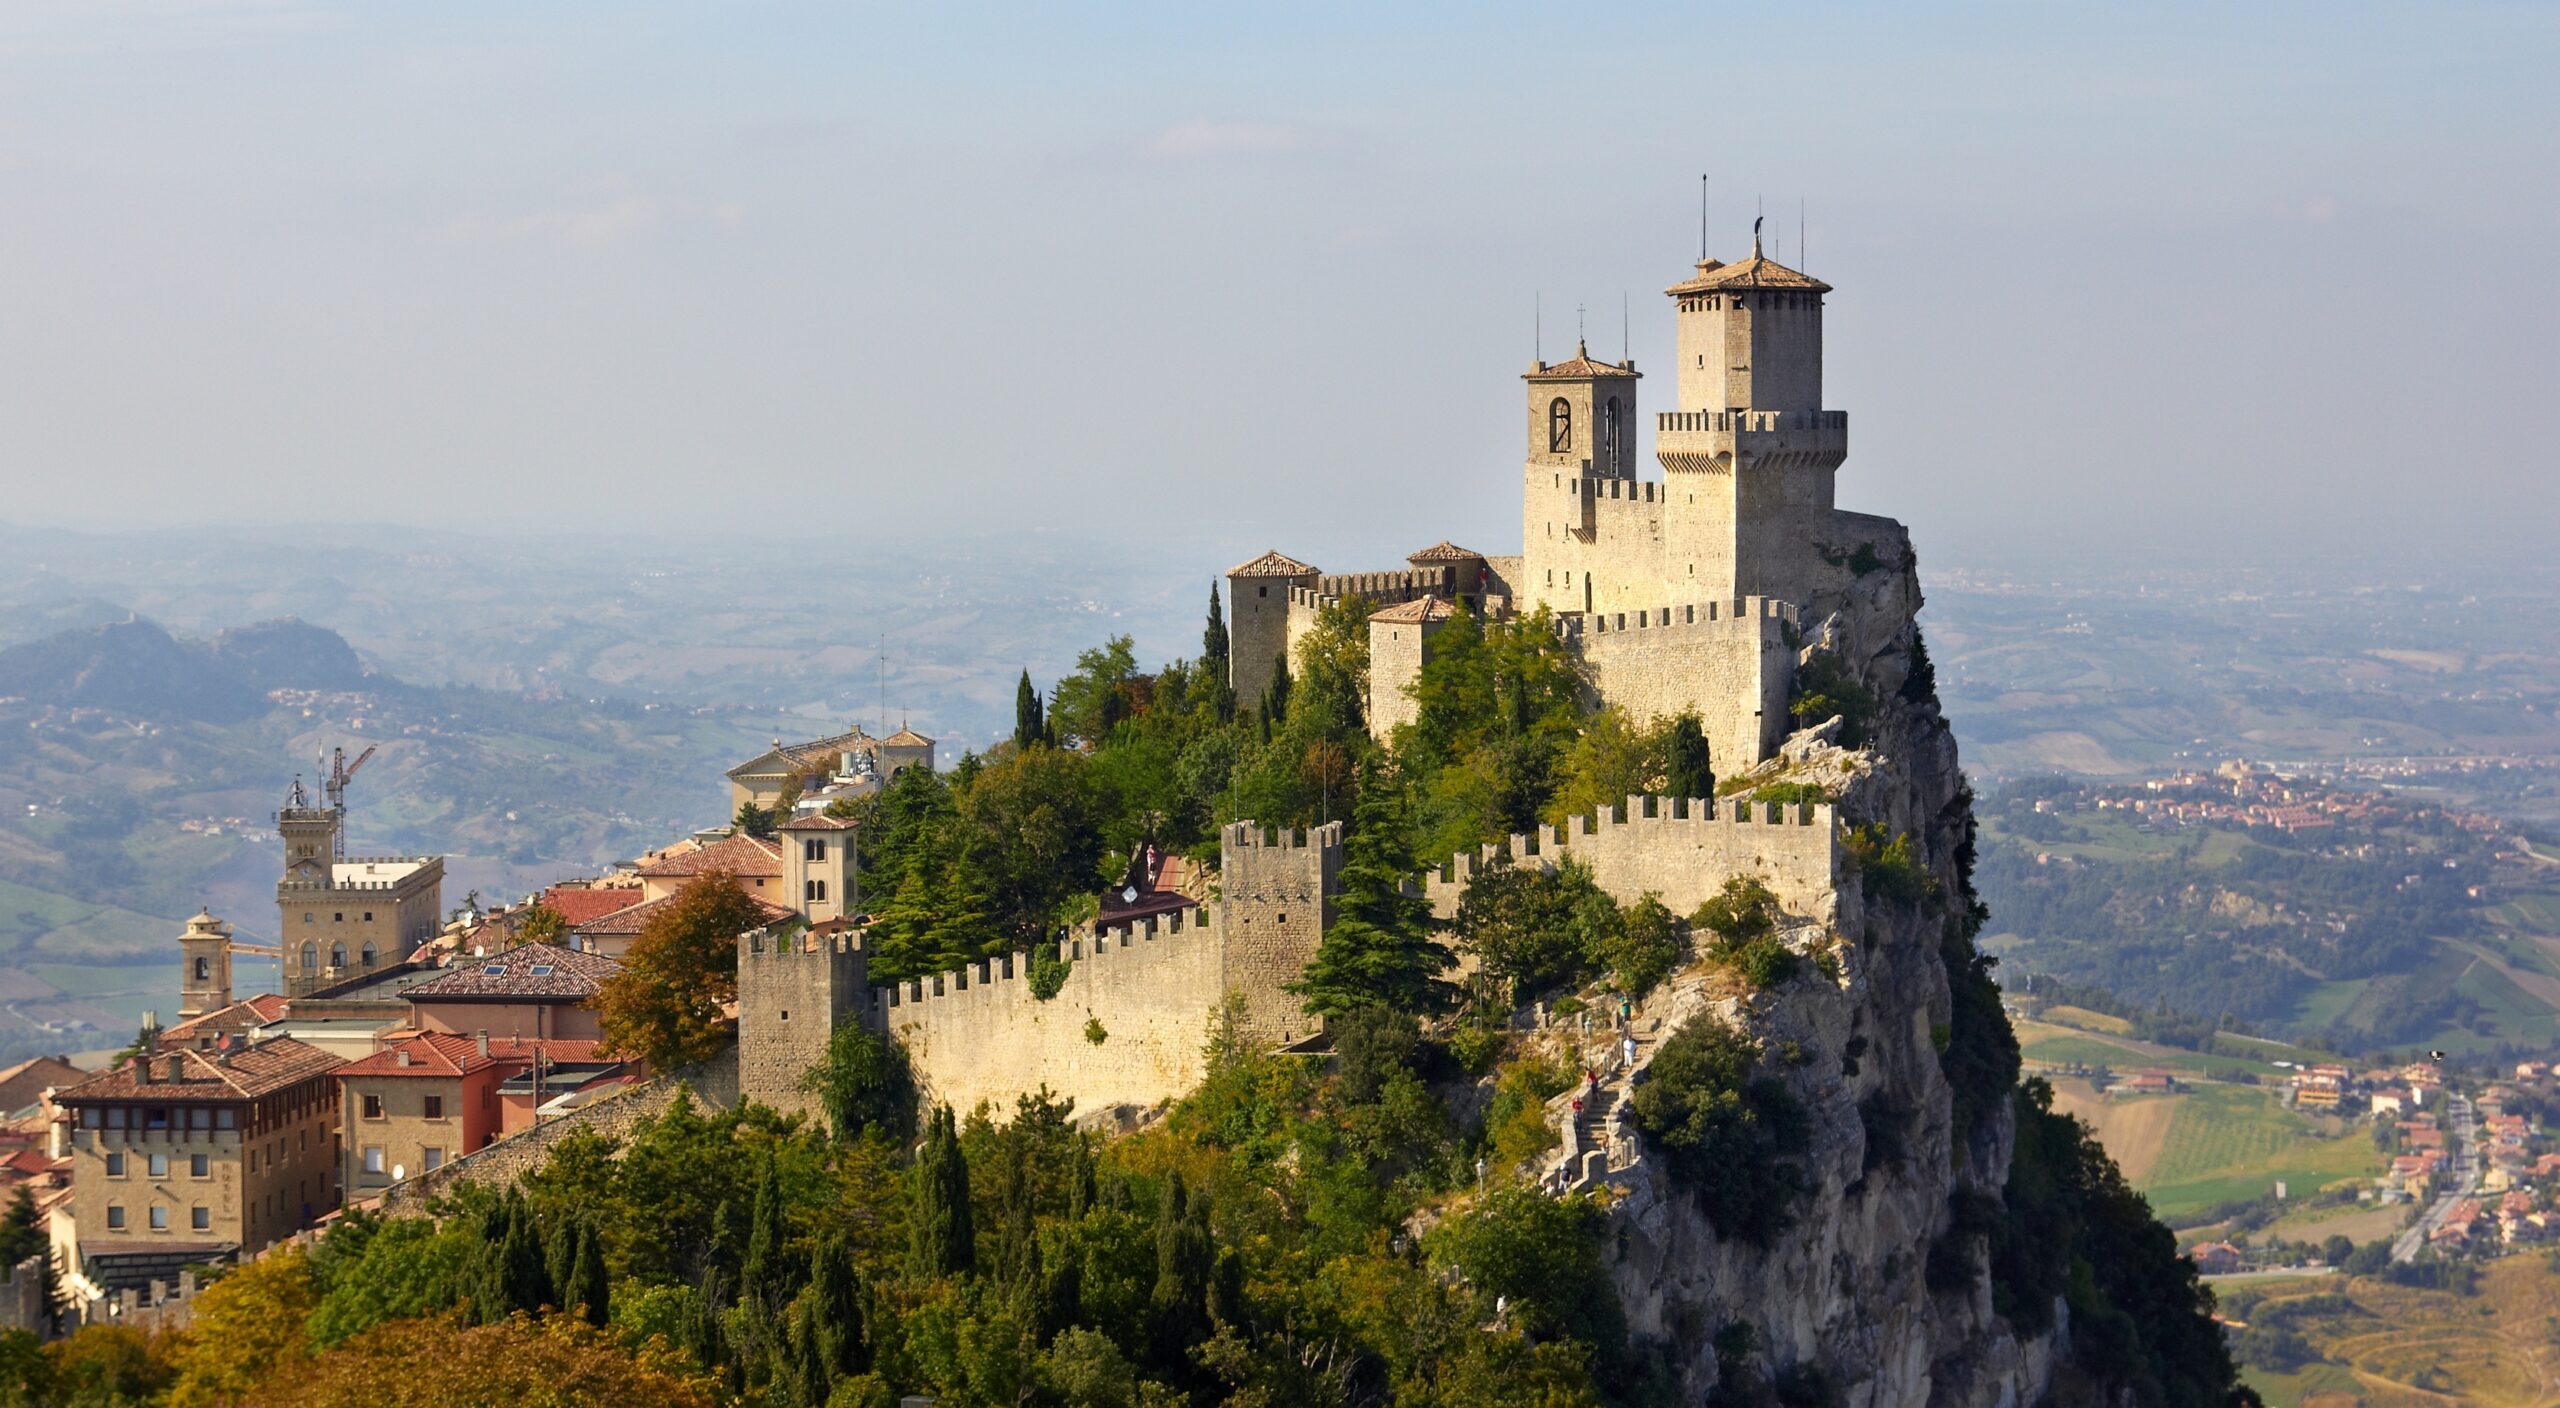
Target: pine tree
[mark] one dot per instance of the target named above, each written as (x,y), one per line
(1381,950)
(587,1289)
(1689,771)
(512,1276)
(1213,641)
(1178,1307)
(940,1238)
(1275,697)
(834,1302)
(1030,723)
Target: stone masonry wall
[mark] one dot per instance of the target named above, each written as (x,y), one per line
(1728,662)
(1679,849)
(792,992)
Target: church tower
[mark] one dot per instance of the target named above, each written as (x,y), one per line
(204,980)
(1749,453)
(1580,470)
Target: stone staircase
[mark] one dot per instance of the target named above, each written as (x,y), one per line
(1597,1139)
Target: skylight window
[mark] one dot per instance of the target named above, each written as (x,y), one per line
(542,970)
(494,970)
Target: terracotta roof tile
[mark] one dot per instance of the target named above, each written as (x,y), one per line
(633,920)
(1445,551)
(1756,272)
(820,821)
(1579,368)
(1274,563)
(430,1054)
(239,1016)
(1421,608)
(240,1074)
(906,737)
(745,856)
(527,972)
(576,904)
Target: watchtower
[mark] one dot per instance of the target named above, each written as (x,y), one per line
(1749,454)
(821,873)
(204,982)
(1586,529)
(1276,894)
(795,987)
(1258,596)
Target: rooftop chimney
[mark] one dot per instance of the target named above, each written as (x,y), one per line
(482,1041)
(401,1058)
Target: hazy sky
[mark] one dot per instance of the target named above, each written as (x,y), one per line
(1183,278)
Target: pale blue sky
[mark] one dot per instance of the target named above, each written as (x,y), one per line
(2126,275)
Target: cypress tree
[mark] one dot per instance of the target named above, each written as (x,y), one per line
(1689,772)
(589,1287)
(560,1255)
(1213,641)
(834,1302)
(1381,950)
(512,1276)
(1030,720)
(1178,1307)
(768,1277)
(941,1240)
(1275,698)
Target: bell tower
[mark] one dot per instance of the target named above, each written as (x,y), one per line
(1580,452)
(204,980)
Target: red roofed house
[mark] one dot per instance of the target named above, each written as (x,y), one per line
(536,992)
(613,935)
(420,1100)
(578,904)
(181,1157)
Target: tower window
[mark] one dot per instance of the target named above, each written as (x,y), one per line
(310,956)
(1610,425)
(337,955)
(204,969)
(1559,426)
(813,849)
(367,955)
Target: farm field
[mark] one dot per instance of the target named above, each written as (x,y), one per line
(2133,1131)
(2232,1142)
(2399,1346)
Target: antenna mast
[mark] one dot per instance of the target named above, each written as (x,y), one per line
(1702,217)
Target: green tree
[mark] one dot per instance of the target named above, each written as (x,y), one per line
(1275,696)
(863,1082)
(541,925)
(1030,724)
(753,820)
(942,1240)
(1382,949)
(246,1328)
(1645,947)
(1214,647)
(1609,762)
(1031,837)
(1095,696)
(1732,1138)
(1688,770)
(1537,929)
(665,1003)
(1178,1305)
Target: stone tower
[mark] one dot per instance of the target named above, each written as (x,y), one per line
(204,981)
(1580,548)
(1258,620)
(821,876)
(795,988)
(1749,453)
(1276,898)
(341,916)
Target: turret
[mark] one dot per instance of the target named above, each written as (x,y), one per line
(1258,620)
(821,877)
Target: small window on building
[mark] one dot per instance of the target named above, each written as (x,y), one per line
(204,970)
(1559,426)
(115,1165)
(199,1119)
(494,970)
(432,1159)
(225,1119)
(435,1107)
(159,1165)
(155,1117)
(815,891)
(310,954)
(115,1117)
(115,1218)
(199,1165)
(200,1218)
(373,1158)
(368,916)
(813,849)
(159,1219)
(337,955)
(366,954)
(338,917)
(373,1107)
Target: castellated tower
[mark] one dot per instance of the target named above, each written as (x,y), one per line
(1590,535)
(794,987)
(1277,894)
(1258,620)
(1749,453)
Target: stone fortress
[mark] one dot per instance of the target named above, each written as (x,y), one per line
(1683,594)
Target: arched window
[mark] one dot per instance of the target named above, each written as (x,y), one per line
(337,955)
(204,969)
(310,957)
(1559,426)
(367,955)
(1611,425)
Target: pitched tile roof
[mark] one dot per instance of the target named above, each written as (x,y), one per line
(242,1073)
(741,855)
(817,753)
(527,972)
(1445,551)
(1755,272)
(26,1082)
(446,1054)
(633,920)
(906,737)
(820,821)
(239,1016)
(1274,563)
(1580,368)
(576,904)
(1421,608)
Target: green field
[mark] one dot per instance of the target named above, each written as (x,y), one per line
(2232,1142)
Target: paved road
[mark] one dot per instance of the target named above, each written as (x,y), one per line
(2466,1169)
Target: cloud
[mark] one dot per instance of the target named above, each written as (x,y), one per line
(1202,137)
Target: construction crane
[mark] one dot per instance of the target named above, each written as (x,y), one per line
(334,787)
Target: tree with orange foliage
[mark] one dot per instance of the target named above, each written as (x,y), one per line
(522,1362)
(665,1004)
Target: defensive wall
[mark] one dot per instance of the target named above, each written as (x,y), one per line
(1681,849)
(1728,662)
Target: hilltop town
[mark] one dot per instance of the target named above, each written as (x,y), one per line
(1642,854)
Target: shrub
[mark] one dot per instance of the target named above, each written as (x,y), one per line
(1369,1045)
(1645,947)
(1094,1032)
(1729,1137)
(1790,793)
(1515,1125)
(1045,971)
(1539,929)
(1892,869)
(1743,917)
(1824,687)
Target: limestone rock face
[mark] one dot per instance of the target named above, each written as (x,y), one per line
(1845,1290)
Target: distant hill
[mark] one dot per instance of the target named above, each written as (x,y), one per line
(135,667)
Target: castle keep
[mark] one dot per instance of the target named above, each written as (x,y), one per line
(1679,593)
(1685,593)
